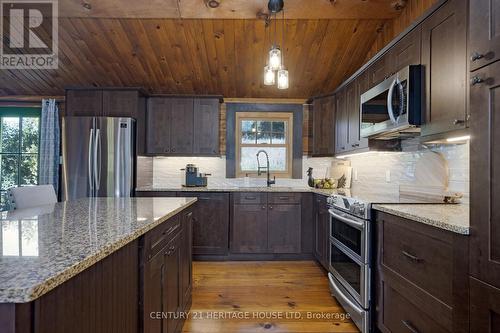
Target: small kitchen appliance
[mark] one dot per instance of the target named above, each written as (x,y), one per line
(193,178)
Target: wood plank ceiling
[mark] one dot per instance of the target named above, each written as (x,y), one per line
(160,47)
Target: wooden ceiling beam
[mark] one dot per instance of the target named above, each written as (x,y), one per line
(230,9)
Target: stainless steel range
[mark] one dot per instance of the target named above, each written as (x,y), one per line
(350,257)
(350,247)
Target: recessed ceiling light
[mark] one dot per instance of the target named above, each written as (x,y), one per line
(213,3)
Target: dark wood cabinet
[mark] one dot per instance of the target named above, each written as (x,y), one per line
(206,126)
(249,228)
(321,221)
(378,71)
(424,288)
(444,56)
(159,120)
(353,95)
(485,307)
(283,228)
(183,126)
(83,103)
(186,258)
(167,275)
(210,223)
(484,32)
(324,126)
(485,161)
(405,52)
(266,223)
(341,122)
(117,103)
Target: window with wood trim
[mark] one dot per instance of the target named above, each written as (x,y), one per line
(269,131)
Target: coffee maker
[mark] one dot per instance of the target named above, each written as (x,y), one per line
(193,178)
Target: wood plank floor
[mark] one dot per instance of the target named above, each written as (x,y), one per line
(240,296)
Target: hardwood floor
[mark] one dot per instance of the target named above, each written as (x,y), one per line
(238,296)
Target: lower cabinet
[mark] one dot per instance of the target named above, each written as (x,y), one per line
(167,275)
(485,307)
(421,278)
(266,223)
(321,230)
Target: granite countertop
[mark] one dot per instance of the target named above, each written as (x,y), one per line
(449,217)
(325,192)
(45,246)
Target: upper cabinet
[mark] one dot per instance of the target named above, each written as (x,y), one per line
(341,122)
(323,115)
(183,126)
(444,56)
(406,52)
(112,102)
(484,32)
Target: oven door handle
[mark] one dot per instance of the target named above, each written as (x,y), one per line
(339,293)
(352,223)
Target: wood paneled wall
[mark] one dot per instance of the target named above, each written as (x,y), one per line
(393,27)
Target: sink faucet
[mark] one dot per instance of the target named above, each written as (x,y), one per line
(259,168)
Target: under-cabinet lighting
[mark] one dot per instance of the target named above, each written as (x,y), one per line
(458,138)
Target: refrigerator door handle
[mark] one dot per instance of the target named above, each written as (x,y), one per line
(90,162)
(97,160)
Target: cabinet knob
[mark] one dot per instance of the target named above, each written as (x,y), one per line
(476,80)
(173,149)
(270,207)
(476,56)
(167,150)
(263,207)
(355,145)
(458,122)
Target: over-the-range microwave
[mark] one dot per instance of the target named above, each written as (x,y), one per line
(393,108)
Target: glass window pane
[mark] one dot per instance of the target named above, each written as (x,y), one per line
(278,138)
(279,126)
(263,138)
(263,126)
(30,135)
(29,169)
(277,158)
(4,201)
(248,137)
(9,170)
(248,126)
(10,135)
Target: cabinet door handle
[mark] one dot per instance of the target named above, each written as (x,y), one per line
(409,326)
(458,122)
(203,198)
(284,198)
(250,198)
(411,256)
(476,80)
(476,56)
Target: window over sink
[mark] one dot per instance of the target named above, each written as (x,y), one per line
(269,131)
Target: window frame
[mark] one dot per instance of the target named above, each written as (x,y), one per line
(287,117)
(20,112)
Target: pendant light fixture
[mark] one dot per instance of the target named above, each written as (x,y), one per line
(275,69)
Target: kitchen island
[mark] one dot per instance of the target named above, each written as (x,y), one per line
(82,266)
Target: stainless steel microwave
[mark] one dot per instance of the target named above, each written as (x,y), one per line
(393,108)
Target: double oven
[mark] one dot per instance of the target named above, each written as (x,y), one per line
(350,258)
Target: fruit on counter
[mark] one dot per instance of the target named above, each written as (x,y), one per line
(325,183)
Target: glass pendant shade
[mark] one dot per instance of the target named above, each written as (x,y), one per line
(275,58)
(282,79)
(269,76)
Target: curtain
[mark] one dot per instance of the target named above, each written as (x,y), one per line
(50,138)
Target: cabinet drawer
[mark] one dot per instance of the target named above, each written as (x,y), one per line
(250,198)
(400,315)
(156,239)
(422,256)
(284,198)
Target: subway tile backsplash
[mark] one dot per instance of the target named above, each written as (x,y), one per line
(445,166)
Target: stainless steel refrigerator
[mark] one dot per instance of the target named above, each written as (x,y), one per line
(98,157)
